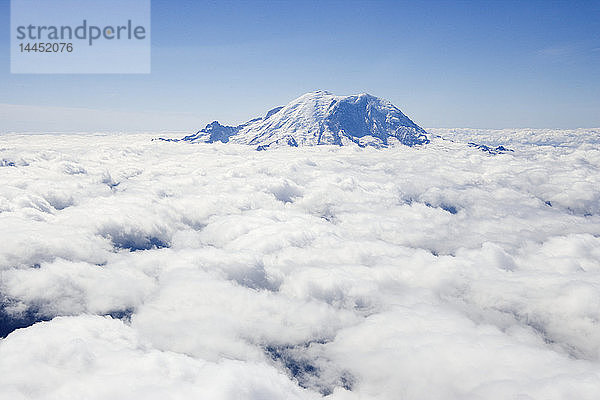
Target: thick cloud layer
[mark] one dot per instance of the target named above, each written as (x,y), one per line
(140,269)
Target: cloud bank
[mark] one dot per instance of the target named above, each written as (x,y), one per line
(131,268)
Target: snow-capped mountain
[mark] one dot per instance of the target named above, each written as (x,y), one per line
(318,118)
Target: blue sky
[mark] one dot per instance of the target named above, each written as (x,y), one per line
(487,64)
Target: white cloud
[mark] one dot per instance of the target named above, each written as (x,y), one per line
(434,272)
(100,358)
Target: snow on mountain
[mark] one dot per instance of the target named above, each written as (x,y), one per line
(318,118)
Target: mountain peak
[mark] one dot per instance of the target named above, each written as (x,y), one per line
(320,92)
(321,118)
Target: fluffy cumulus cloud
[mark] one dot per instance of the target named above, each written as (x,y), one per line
(132,268)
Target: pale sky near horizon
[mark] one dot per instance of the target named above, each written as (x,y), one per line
(482,64)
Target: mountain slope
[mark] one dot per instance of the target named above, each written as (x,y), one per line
(318,118)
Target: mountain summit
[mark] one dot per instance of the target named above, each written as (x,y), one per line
(318,118)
